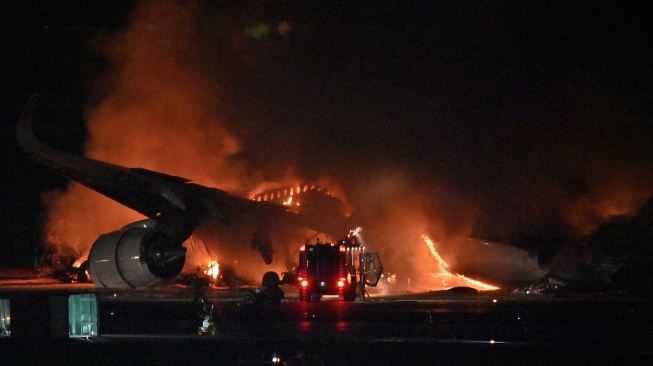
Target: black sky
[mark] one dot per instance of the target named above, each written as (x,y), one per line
(512,116)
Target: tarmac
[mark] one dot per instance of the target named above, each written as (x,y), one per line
(161,326)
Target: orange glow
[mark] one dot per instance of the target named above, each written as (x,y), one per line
(588,212)
(444,272)
(214,269)
(443,265)
(157,82)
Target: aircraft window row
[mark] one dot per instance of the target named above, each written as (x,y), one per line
(286,192)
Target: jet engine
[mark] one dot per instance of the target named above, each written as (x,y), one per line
(135,256)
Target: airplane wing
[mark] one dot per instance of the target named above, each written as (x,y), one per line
(147,192)
(143,253)
(151,193)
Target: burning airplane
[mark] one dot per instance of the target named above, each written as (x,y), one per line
(149,251)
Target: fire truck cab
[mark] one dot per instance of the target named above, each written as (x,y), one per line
(342,269)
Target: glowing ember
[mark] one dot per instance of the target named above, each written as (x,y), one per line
(443,269)
(77,264)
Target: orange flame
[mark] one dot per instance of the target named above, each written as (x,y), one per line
(443,268)
(214,269)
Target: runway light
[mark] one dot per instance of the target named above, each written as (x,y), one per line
(491,341)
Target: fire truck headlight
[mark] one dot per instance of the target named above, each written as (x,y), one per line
(304,283)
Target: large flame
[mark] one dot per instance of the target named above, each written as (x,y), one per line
(444,273)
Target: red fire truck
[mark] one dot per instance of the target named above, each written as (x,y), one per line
(342,269)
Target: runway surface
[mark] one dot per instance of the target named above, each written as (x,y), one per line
(160,326)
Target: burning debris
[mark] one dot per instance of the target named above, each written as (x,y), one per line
(213,274)
(213,271)
(61,260)
(66,269)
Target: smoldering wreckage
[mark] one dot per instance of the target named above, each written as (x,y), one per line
(150,252)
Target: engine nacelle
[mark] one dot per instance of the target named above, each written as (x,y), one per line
(134,257)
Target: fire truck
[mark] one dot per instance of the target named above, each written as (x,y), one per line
(342,269)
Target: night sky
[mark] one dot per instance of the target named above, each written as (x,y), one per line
(501,119)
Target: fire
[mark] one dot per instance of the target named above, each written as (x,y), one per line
(214,269)
(444,272)
(443,265)
(391,278)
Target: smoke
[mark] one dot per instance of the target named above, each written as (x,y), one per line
(160,105)
(157,111)
(418,140)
